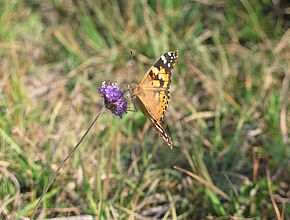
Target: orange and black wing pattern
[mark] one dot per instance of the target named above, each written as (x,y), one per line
(153,92)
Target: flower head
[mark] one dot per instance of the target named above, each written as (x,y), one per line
(113,98)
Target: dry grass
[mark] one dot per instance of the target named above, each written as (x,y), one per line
(229,114)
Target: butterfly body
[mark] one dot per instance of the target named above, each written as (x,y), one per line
(152,94)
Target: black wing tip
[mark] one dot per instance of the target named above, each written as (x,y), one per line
(172,54)
(174,51)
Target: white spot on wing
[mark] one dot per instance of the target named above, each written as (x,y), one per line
(159,128)
(155,71)
(163,58)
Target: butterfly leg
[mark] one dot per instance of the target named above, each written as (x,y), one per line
(135,109)
(132,110)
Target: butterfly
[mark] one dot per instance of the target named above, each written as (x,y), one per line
(152,94)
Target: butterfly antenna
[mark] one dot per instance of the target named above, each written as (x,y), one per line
(132,64)
(132,74)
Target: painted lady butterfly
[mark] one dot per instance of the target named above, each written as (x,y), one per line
(152,93)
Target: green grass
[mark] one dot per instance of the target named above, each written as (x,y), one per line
(228,116)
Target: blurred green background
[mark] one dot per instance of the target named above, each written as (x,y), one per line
(228,113)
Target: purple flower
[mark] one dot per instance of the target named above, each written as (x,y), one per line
(113,98)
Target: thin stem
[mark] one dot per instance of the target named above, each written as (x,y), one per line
(65,159)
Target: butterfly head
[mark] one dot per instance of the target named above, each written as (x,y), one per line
(134,90)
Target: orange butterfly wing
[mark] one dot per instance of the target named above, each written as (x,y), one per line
(153,93)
